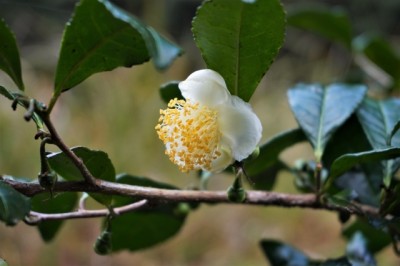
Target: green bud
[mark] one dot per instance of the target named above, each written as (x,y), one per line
(103,245)
(236,194)
(47,179)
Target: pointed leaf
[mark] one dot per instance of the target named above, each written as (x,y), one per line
(98,163)
(331,23)
(393,132)
(321,111)
(239,40)
(145,228)
(101,37)
(13,205)
(64,202)
(378,118)
(9,55)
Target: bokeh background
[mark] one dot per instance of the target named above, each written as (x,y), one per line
(116,112)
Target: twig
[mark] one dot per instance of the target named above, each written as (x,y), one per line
(37,217)
(263,198)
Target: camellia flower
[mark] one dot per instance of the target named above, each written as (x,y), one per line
(211,128)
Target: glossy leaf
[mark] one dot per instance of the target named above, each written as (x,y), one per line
(331,23)
(357,251)
(321,111)
(378,118)
(9,55)
(101,37)
(60,203)
(13,205)
(239,40)
(170,90)
(381,53)
(376,239)
(145,228)
(98,163)
(262,170)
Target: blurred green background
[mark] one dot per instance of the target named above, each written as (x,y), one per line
(116,112)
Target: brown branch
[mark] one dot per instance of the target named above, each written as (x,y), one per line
(264,198)
(37,217)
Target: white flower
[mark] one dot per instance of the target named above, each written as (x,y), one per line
(211,128)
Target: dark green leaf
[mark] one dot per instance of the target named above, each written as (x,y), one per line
(378,118)
(145,228)
(239,40)
(347,161)
(60,203)
(13,205)
(331,23)
(263,169)
(284,255)
(9,55)
(170,90)
(321,111)
(6,93)
(393,132)
(101,37)
(98,163)
(357,251)
(376,239)
(380,53)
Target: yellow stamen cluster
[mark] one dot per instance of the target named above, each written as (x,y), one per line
(190,134)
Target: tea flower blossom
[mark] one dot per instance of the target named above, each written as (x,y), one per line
(211,128)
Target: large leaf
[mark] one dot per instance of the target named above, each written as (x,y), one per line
(381,54)
(101,37)
(239,40)
(9,55)
(145,228)
(262,170)
(331,23)
(64,202)
(378,118)
(13,205)
(170,90)
(98,163)
(321,111)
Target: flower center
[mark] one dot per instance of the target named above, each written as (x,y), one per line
(190,133)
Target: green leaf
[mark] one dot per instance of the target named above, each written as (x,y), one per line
(170,90)
(9,55)
(393,132)
(281,254)
(347,161)
(331,23)
(381,53)
(101,37)
(378,118)
(3,262)
(376,239)
(145,228)
(263,170)
(6,93)
(321,111)
(60,203)
(357,251)
(239,40)
(98,163)
(13,205)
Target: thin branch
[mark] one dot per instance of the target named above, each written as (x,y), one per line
(37,217)
(89,178)
(264,198)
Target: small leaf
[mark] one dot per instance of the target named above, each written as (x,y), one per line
(378,118)
(239,40)
(321,111)
(13,205)
(64,202)
(144,228)
(98,163)
(284,255)
(170,90)
(9,55)
(347,161)
(331,23)
(101,37)
(357,251)
(6,93)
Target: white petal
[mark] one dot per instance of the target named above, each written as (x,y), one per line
(206,87)
(222,161)
(240,127)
